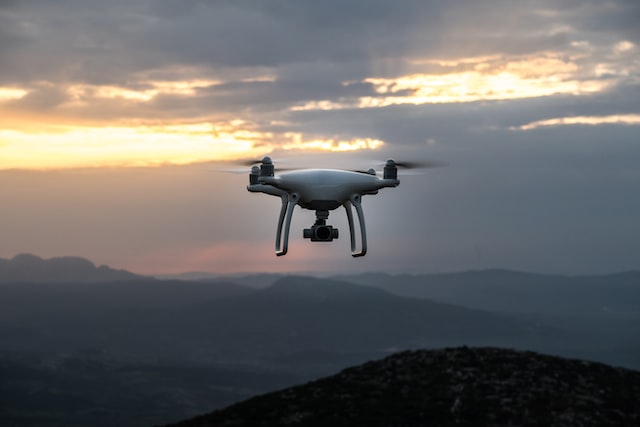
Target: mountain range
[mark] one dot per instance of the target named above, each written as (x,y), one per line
(141,351)
(31,268)
(515,291)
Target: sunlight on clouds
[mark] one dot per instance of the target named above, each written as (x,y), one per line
(526,78)
(621,61)
(183,87)
(154,145)
(261,78)
(296,142)
(38,141)
(123,146)
(624,119)
(460,61)
(9,93)
(152,89)
(623,46)
(325,105)
(486,78)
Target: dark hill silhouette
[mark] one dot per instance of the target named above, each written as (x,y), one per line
(450,387)
(33,269)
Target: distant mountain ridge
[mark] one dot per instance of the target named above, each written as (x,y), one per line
(454,386)
(516,291)
(295,322)
(25,268)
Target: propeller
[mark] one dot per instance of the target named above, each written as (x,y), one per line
(248,163)
(427,164)
(251,162)
(371,171)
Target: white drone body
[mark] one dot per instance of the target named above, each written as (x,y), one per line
(322,190)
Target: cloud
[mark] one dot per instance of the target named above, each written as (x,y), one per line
(628,119)
(127,37)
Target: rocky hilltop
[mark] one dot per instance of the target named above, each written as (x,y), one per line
(450,387)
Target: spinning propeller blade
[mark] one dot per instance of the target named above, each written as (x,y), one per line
(427,164)
(248,162)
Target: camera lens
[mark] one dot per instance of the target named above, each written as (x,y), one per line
(323,233)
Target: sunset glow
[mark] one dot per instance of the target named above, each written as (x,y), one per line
(297,143)
(62,139)
(150,90)
(482,79)
(153,145)
(9,93)
(123,146)
(65,138)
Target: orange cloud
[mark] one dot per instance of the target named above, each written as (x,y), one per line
(60,146)
(485,78)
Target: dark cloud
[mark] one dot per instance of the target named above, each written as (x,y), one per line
(42,98)
(105,42)
(613,19)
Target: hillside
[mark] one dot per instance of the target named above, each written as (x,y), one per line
(450,387)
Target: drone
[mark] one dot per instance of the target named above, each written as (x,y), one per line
(321,190)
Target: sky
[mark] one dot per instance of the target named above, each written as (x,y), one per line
(120,121)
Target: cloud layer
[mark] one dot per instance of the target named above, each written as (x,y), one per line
(533,104)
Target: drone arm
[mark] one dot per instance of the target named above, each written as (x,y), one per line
(289,202)
(355,200)
(352,234)
(286,212)
(266,189)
